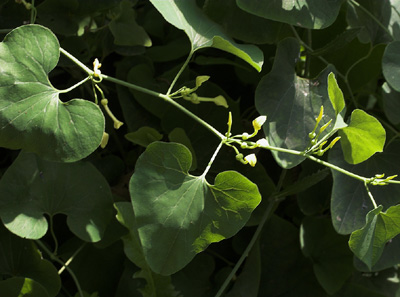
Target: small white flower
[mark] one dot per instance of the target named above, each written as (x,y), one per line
(251,159)
(263,142)
(258,122)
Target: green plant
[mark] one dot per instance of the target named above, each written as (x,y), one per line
(108,199)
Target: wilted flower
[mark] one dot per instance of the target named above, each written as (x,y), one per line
(96,68)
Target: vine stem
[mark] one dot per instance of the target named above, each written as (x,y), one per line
(166,98)
(56,259)
(212,159)
(76,61)
(211,128)
(146,91)
(271,205)
(71,258)
(180,72)
(370,195)
(75,85)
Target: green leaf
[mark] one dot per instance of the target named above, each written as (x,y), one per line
(329,252)
(288,100)
(202,32)
(32,116)
(20,286)
(285,271)
(21,258)
(125,29)
(250,28)
(362,138)
(335,94)
(304,183)
(391,64)
(368,242)
(303,13)
(179,135)
(32,187)
(391,103)
(385,19)
(178,215)
(157,285)
(350,202)
(144,136)
(247,282)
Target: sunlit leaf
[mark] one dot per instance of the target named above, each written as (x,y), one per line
(363,137)
(312,14)
(335,94)
(32,187)
(202,32)
(178,215)
(32,116)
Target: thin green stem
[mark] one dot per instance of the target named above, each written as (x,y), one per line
(75,85)
(180,72)
(166,98)
(76,61)
(370,195)
(212,159)
(271,205)
(33,12)
(71,258)
(56,259)
(366,11)
(53,235)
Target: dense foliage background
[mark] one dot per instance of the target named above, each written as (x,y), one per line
(68,225)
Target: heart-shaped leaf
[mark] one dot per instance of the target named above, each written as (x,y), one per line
(177,214)
(32,116)
(310,14)
(20,258)
(292,103)
(202,32)
(368,242)
(350,202)
(362,138)
(32,187)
